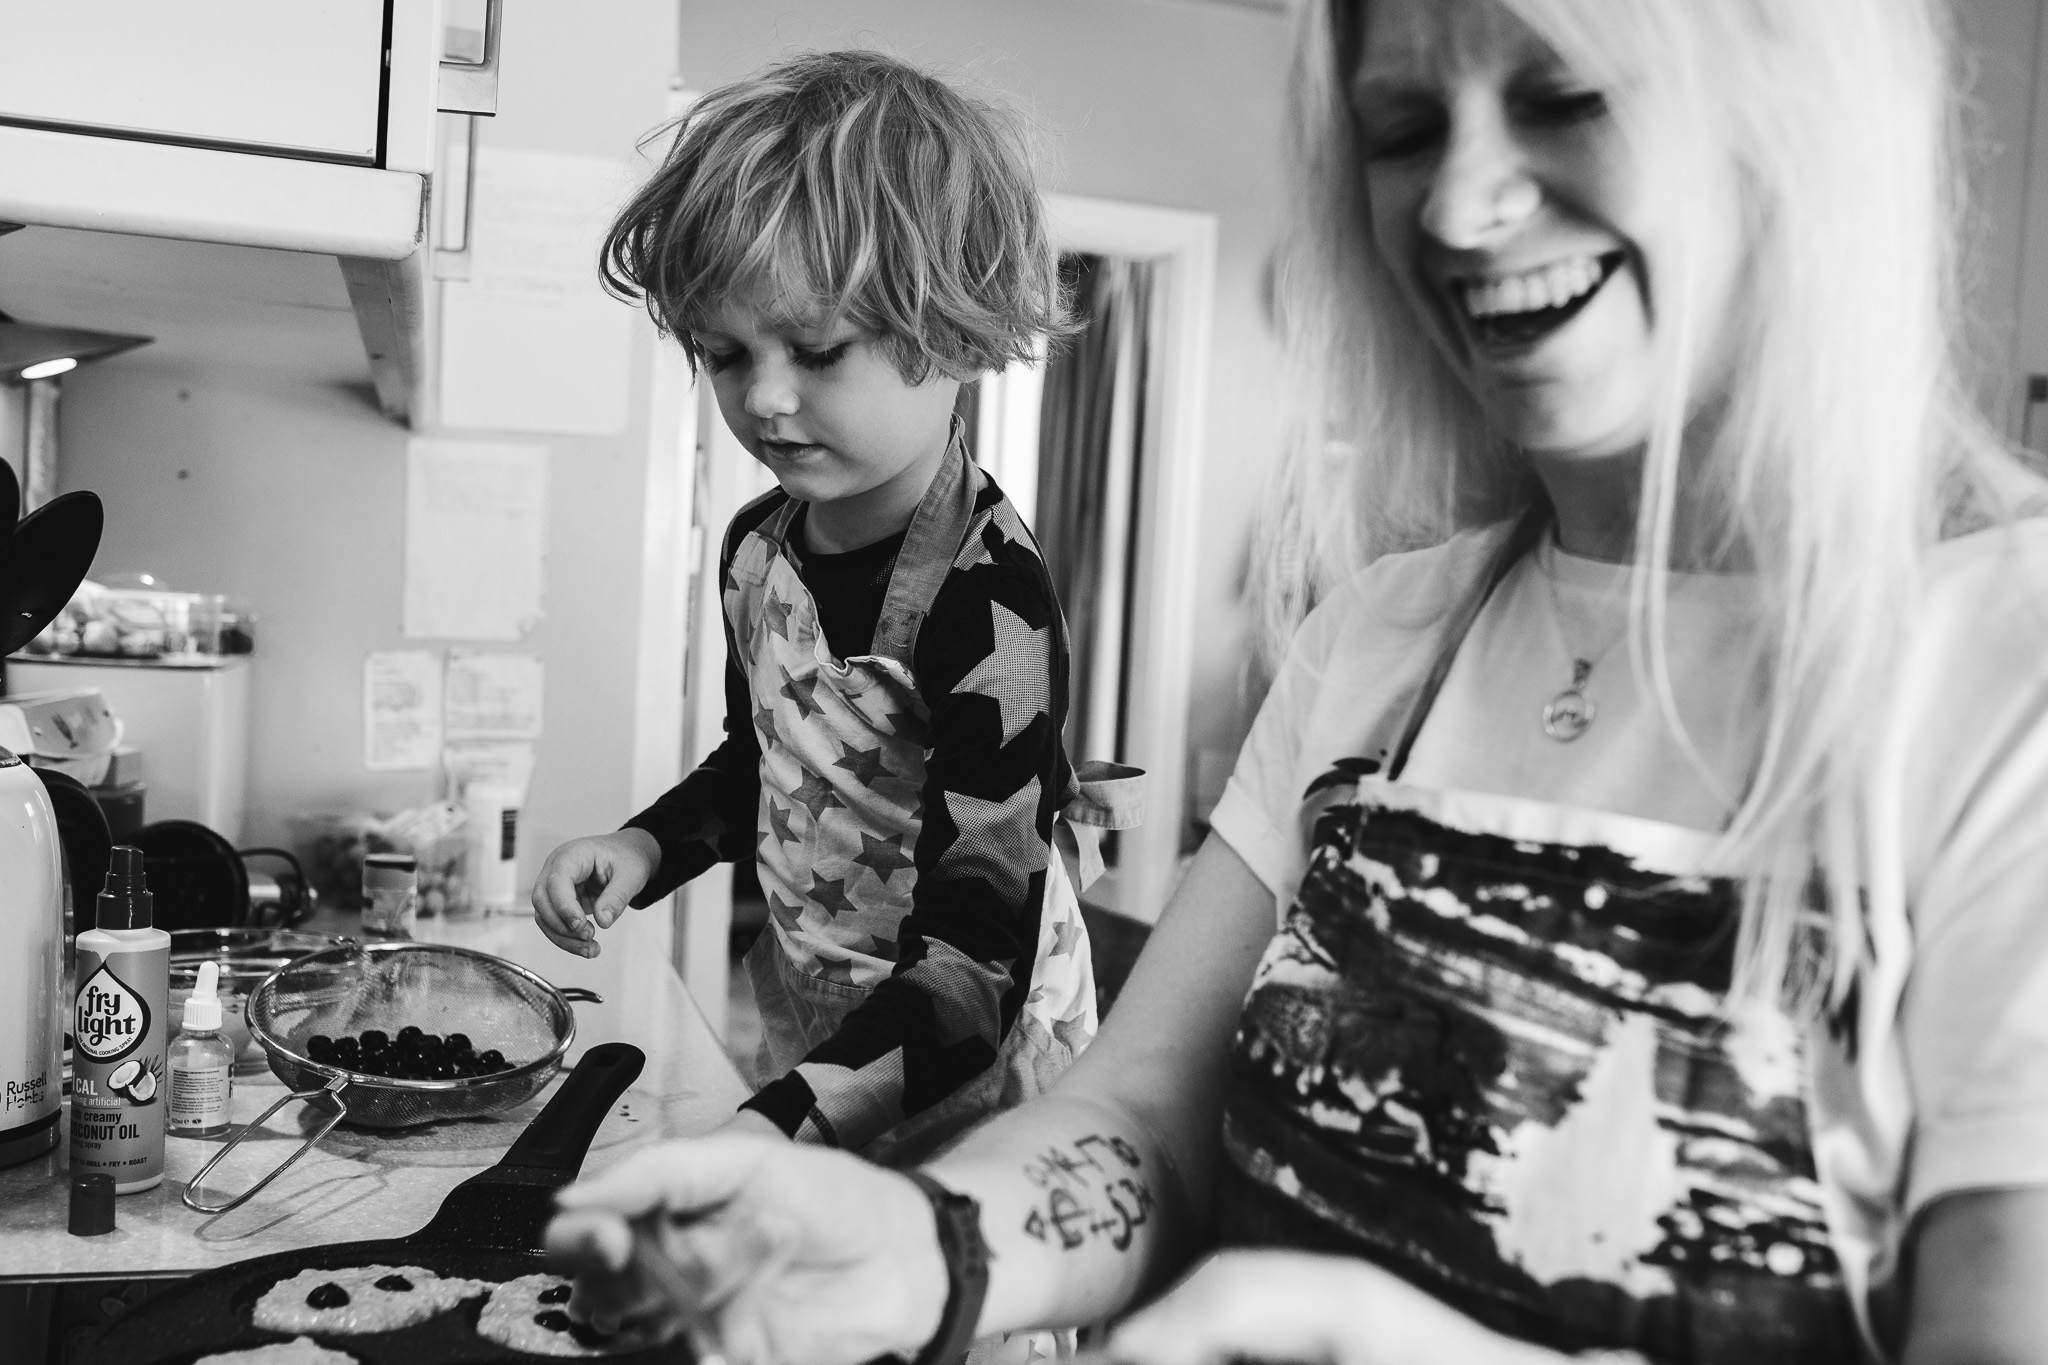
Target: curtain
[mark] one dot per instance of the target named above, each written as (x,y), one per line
(1090,430)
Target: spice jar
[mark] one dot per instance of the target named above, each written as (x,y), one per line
(390,894)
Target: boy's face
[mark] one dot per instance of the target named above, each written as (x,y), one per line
(830,416)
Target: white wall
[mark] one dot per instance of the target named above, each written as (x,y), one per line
(1168,102)
(1998,40)
(251,460)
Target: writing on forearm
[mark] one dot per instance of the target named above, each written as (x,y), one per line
(1094,1189)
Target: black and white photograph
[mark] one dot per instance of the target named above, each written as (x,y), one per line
(995,682)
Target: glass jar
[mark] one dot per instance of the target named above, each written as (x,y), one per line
(390,894)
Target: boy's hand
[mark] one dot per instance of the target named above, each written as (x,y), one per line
(764,1252)
(591,879)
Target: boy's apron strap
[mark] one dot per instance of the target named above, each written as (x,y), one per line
(775,530)
(1101,795)
(930,546)
(1528,530)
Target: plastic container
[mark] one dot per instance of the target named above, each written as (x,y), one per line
(437,836)
(201,1063)
(332,847)
(119,1017)
(493,810)
(390,895)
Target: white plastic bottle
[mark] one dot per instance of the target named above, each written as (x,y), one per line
(202,1063)
(493,809)
(117,1028)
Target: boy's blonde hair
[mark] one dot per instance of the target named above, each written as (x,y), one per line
(849,186)
(1846,446)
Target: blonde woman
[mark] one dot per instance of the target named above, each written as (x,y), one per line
(1655,801)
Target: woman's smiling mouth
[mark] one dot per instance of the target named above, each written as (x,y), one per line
(1515,311)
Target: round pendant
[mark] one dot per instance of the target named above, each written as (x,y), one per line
(1568,715)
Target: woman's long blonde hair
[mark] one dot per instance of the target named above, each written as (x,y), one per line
(1846,444)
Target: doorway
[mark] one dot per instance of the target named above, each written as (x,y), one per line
(1101,452)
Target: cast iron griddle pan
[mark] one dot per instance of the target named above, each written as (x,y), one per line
(488,1228)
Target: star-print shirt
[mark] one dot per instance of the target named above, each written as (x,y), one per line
(991,668)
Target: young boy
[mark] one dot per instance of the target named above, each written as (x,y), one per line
(839,241)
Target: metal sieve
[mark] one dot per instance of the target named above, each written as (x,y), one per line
(437,987)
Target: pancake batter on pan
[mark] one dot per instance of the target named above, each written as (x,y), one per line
(358,1299)
(531,1314)
(297,1351)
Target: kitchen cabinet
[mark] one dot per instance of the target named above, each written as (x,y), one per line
(306,128)
(248,75)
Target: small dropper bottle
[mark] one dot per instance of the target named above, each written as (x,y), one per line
(202,1064)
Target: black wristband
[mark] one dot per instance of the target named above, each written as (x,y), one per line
(966,1256)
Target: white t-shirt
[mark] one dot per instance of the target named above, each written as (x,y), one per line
(1953,1018)
(1485,732)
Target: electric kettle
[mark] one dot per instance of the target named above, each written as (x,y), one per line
(43,817)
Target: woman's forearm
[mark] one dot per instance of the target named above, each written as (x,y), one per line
(1082,1208)
(1100,1190)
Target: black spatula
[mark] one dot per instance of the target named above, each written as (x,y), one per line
(42,565)
(10,504)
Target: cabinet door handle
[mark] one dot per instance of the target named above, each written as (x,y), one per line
(471,87)
(455,200)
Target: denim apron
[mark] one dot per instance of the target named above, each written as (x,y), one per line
(1491,1050)
(842,772)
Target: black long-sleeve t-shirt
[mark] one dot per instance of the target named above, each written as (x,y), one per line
(990,666)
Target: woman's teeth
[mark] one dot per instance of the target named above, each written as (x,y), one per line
(1553,286)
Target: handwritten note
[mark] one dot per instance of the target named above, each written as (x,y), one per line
(475,538)
(492,696)
(530,341)
(401,710)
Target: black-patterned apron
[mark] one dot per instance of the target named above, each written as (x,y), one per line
(842,772)
(1491,1050)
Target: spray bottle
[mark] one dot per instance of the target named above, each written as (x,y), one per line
(202,1063)
(118,1019)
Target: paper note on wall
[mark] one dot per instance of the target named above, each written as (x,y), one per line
(401,710)
(475,538)
(492,696)
(502,762)
(530,341)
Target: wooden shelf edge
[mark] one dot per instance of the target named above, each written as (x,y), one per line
(390,299)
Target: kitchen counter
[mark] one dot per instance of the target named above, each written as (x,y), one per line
(364,1183)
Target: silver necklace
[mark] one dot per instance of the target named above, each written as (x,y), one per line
(1572,712)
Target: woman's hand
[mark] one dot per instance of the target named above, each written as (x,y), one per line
(591,879)
(761,1251)
(749,1123)
(1293,1306)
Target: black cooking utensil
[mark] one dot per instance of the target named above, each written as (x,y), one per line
(44,563)
(83,834)
(197,878)
(488,1228)
(10,504)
